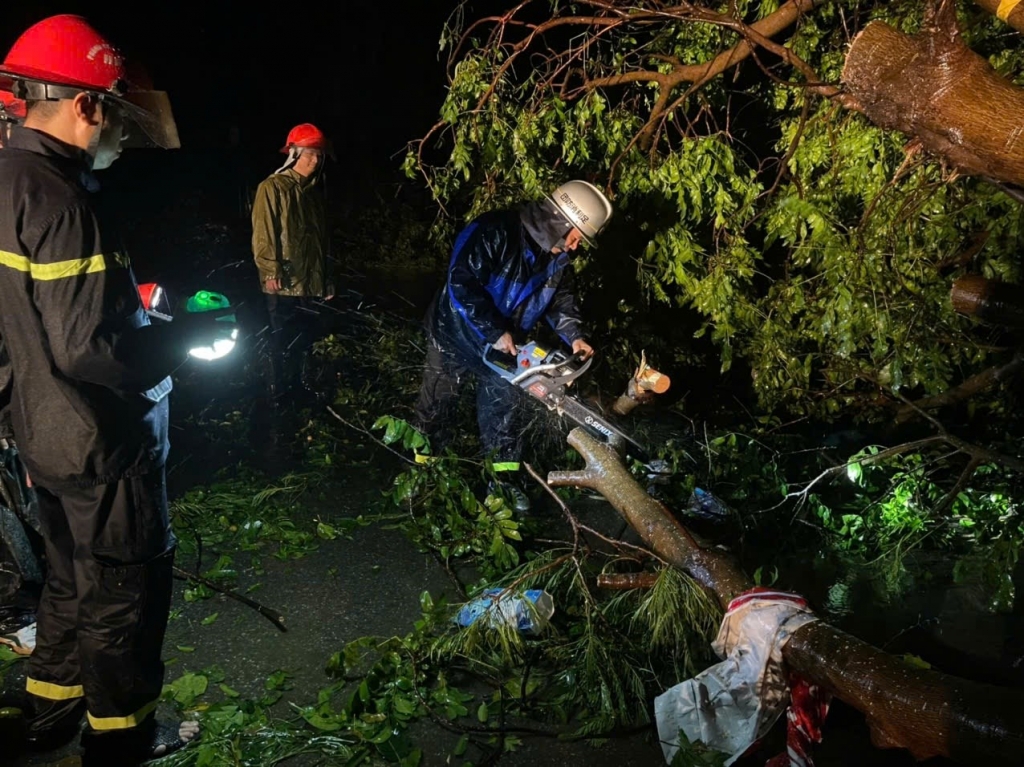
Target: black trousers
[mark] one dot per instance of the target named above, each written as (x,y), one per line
(496,402)
(294,325)
(104,607)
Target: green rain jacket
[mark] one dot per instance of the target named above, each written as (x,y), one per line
(289,235)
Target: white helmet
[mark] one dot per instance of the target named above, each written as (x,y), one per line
(584,206)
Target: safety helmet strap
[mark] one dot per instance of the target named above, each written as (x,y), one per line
(32,90)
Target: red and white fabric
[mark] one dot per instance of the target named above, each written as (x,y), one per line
(732,704)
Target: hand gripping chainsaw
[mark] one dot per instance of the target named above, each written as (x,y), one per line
(546,376)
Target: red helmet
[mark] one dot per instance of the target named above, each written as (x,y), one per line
(65,50)
(305,136)
(62,55)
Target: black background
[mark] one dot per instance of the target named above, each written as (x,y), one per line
(367,73)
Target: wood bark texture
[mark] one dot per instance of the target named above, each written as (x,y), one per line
(1000,303)
(932,87)
(928,713)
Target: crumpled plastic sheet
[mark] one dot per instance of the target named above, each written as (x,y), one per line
(732,704)
(511,610)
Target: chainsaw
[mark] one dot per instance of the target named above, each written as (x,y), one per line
(547,376)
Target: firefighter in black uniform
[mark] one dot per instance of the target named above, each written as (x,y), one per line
(88,386)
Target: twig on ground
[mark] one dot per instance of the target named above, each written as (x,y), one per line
(270,614)
(372,436)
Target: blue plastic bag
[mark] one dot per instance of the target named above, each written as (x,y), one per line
(510,610)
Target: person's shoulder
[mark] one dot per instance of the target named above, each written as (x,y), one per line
(500,223)
(37,179)
(31,169)
(267,183)
(498,217)
(277,182)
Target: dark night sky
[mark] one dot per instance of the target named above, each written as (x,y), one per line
(367,73)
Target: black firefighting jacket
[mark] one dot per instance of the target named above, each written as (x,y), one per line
(85,386)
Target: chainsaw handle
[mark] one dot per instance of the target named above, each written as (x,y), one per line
(499,369)
(568,379)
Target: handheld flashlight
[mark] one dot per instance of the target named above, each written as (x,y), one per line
(207,301)
(157,306)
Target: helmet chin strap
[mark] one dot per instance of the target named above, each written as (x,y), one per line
(294,153)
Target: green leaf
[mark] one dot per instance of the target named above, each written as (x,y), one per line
(327,722)
(326,531)
(277,680)
(412,759)
(185,689)
(481,712)
(209,619)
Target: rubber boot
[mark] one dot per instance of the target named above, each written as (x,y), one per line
(54,723)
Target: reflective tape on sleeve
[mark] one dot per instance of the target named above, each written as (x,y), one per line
(58,270)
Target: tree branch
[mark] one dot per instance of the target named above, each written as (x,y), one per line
(976,384)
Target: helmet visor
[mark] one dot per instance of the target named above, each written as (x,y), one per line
(150,120)
(147,111)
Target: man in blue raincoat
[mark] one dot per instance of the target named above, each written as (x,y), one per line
(509,270)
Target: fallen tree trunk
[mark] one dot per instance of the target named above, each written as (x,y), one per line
(932,87)
(928,713)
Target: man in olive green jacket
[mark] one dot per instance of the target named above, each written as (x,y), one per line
(289,243)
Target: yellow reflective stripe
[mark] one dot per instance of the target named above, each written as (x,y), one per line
(14,261)
(1006,8)
(121,722)
(72,268)
(57,270)
(52,691)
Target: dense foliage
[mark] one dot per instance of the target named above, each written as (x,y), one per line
(807,242)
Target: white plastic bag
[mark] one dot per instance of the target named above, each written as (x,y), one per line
(732,704)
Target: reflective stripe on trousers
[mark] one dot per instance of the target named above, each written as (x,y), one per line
(104,608)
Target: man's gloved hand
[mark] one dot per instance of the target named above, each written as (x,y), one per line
(506,344)
(579,345)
